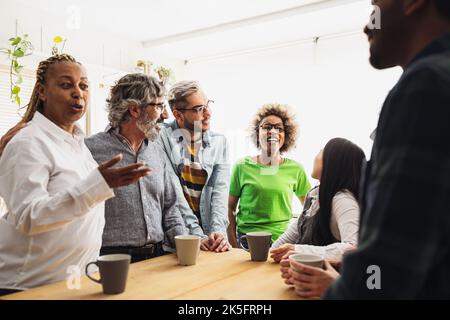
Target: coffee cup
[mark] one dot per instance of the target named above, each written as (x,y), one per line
(308,259)
(188,249)
(113,270)
(258,245)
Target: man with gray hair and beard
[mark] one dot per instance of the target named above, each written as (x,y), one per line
(144,216)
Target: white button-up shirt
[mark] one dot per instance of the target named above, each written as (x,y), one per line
(55,196)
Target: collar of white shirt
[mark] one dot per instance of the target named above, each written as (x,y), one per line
(57,132)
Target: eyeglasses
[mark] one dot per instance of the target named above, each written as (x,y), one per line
(268,127)
(200,108)
(159,106)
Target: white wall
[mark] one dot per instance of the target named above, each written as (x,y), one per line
(331,86)
(103,54)
(90,45)
(106,56)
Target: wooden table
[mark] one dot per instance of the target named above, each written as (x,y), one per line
(229,275)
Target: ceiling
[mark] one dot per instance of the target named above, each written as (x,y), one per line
(187,29)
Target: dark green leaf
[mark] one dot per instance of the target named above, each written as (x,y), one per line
(16,41)
(18,53)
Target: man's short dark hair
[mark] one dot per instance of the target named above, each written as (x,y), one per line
(443,7)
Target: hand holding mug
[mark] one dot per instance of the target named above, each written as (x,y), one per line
(311,281)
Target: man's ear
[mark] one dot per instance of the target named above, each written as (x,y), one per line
(411,7)
(134,110)
(177,115)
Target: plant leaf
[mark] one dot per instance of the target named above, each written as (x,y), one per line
(18,53)
(19,79)
(15,89)
(18,100)
(18,68)
(16,41)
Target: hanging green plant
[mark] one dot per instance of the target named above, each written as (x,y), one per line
(19,47)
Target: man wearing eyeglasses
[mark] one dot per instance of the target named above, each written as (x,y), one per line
(200,160)
(143,218)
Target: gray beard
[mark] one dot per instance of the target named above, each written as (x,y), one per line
(148,128)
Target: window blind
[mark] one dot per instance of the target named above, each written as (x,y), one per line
(9,111)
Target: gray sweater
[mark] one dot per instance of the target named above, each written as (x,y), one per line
(146,211)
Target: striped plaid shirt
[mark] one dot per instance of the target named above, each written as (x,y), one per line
(405,223)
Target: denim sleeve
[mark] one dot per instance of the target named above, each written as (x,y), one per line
(173,222)
(219,199)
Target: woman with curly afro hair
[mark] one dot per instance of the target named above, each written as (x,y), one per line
(264,184)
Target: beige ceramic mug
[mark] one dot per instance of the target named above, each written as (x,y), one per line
(188,249)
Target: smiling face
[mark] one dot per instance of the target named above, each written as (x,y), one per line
(65,94)
(271,134)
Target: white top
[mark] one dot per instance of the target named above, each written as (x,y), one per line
(55,196)
(344,226)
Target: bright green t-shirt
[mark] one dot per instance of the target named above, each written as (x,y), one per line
(265,194)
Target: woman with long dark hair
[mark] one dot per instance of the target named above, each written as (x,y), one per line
(329,223)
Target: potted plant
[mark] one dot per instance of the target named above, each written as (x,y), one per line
(165,75)
(58,41)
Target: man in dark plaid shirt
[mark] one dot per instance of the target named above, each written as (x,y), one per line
(405,220)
